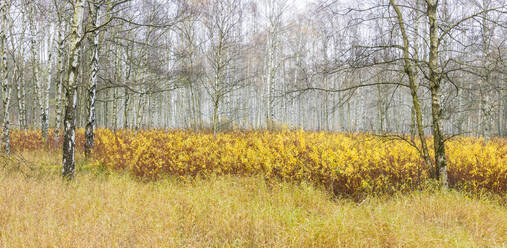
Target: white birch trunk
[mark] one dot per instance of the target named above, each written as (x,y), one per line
(69,138)
(60,76)
(92,87)
(4,73)
(19,75)
(47,88)
(35,64)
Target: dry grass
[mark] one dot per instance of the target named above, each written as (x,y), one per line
(105,209)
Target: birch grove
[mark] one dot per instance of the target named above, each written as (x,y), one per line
(399,68)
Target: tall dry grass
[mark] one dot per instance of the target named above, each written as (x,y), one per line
(109,209)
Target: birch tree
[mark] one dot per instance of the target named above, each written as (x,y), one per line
(61,28)
(42,85)
(435,89)
(221,20)
(4,75)
(413,83)
(95,11)
(69,137)
(19,71)
(275,10)
(45,91)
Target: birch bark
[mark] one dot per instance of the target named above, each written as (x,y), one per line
(436,109)
(69,138)
(92,87)
(4,73)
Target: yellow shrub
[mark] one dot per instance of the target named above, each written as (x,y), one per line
(344,163)
(349,164)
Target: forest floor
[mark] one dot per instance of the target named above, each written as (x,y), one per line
(101,208)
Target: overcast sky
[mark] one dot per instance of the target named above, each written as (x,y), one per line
(301,4)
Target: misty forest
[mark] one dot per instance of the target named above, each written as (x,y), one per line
(436,67)
(356,98)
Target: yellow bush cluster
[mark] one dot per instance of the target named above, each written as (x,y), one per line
(344,163)
(349,164)
(475,164)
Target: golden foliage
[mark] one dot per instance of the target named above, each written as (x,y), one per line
(350,164)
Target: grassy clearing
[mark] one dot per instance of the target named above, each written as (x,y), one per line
(108,209)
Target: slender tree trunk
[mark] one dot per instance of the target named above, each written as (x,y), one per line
(413,86)
(60,78)
(413,123)
(215,116)
(35,66)
(4,73)
(499,114)
(38,89)
(45,103)
(194,109)
(126,108)
(69,137)
(19,77)
(380,107)
(436,110)
(20,93)
(60,74)
(92,87)
(118,78)
(115,109)
(140,110)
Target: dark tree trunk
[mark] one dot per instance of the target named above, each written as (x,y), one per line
(436,109)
